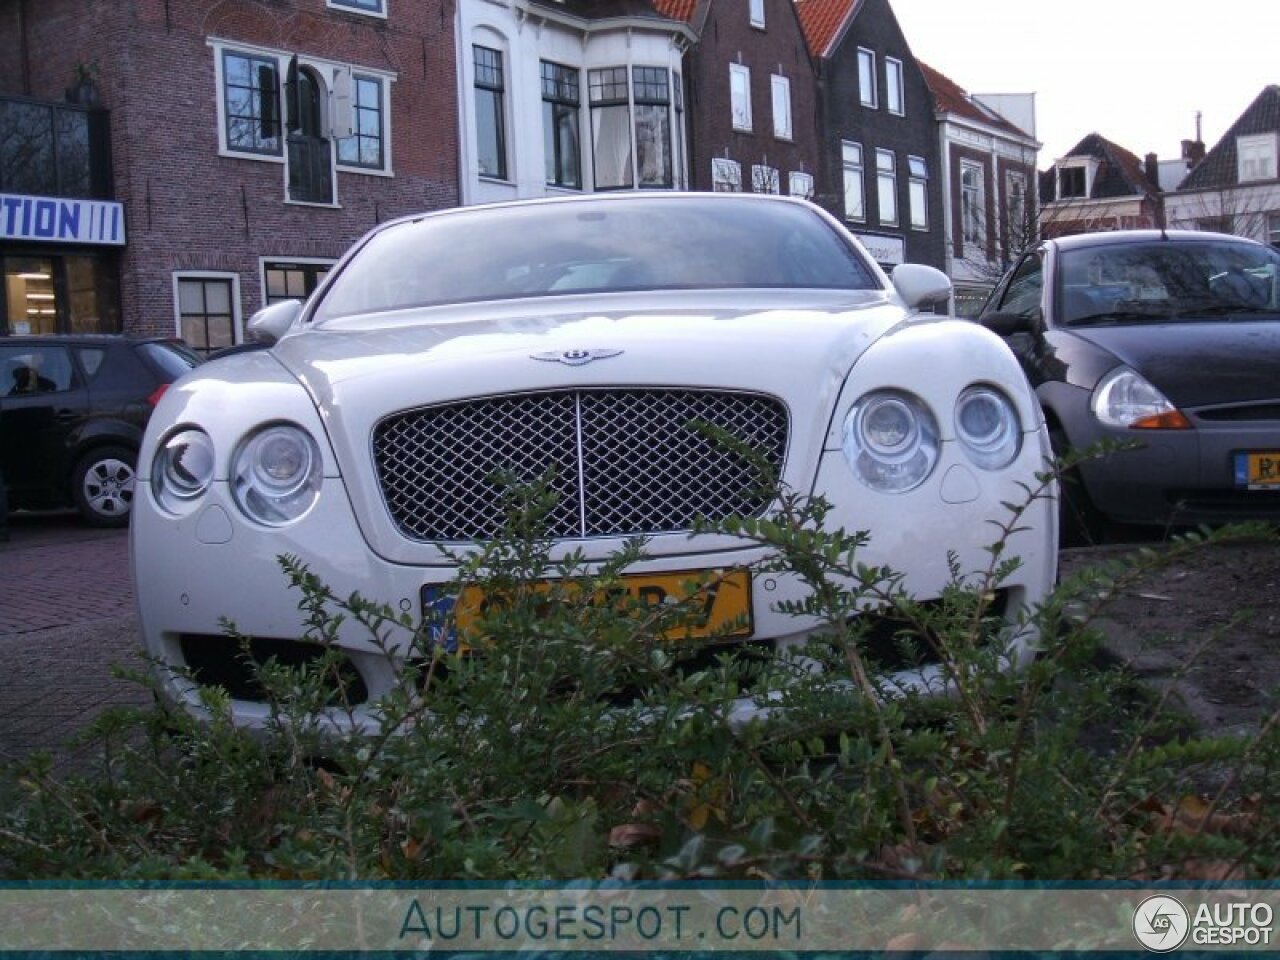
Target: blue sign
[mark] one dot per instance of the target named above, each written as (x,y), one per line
(61,220)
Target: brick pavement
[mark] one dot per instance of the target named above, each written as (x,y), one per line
(66,617)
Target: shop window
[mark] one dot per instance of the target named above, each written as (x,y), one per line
(60,294)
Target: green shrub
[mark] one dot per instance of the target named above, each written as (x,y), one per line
(570,739)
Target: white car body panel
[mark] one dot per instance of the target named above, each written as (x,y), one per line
(817,351)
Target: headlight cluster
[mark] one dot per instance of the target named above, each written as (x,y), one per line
(275,472)
(1126,399)
(891,438)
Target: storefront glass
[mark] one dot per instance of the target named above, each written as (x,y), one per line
(68,293)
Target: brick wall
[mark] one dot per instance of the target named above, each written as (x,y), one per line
(913,134)
(188,208)
(779,48)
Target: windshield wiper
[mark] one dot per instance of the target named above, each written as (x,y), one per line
(1118,316)
(1227,310)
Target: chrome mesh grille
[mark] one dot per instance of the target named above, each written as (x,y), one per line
(621,462)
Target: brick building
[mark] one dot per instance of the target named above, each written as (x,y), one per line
(234,148)
(752,97)
(989,184)
(880,168)
(1100,185)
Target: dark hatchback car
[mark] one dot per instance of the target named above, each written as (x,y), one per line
(1167,342)
(72,413)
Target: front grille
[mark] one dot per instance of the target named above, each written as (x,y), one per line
(1243,413)
(620,462)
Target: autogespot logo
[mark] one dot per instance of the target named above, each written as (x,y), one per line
(1161,923)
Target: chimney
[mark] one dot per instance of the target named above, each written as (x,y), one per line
(1151,167)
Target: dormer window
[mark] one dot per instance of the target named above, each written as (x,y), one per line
(1071,182)
(1075,177)
(1256,157)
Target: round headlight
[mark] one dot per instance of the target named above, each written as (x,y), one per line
(183,468)
(275,474)
(988,427)
(890,441)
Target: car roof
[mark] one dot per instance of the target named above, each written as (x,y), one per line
(80,339)
(1080,241)
(608,198)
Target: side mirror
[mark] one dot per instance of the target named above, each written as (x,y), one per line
(920,286)
(1005,324)
(271,323)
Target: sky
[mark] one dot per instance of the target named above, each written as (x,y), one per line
(1135,71)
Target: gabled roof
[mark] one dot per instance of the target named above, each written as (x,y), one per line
(950,97)
(677,9)
(824,22)
(1120,172)
(1220,166)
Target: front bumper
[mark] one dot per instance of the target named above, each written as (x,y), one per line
(198,574)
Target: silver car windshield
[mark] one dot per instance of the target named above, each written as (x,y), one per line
(1161,281)
(624,244)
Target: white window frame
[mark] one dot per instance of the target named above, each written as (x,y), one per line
(800,184)
(740,97)
(757,13)
(979,203)
(894,92)
(1273,229)
(887,186)
(349,6)
(858,169)
(1256,158)
(337,114)
(868,82)
(237,317)
(918,193)
(726,175)
(781,89)
(1090,167)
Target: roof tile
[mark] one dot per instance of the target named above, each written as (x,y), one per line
(950,97)
(823,20)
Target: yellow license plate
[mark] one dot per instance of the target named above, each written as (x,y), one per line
(1258,470)
(721,608)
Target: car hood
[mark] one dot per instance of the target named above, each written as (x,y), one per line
(1199,364)
(797,348)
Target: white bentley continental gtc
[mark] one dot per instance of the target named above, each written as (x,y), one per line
(580,338)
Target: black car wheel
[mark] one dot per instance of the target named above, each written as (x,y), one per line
(103,484)
(1080,524)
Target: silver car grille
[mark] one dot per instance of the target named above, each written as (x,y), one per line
(620,461)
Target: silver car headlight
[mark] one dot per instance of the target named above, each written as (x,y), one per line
(988,427)
(276,474)
(890,441)
(182,469)
(1126,399)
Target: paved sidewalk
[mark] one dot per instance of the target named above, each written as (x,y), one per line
(66,616)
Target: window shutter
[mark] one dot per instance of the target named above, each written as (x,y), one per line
(292,93)
(341,119)
(269,87)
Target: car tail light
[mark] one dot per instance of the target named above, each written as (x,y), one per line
(154,396)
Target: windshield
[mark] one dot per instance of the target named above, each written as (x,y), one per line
(594,246)
(1168,280)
